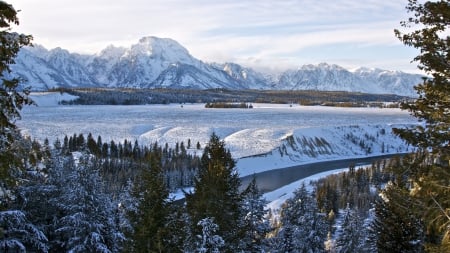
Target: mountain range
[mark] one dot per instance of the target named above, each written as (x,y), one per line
(160,62)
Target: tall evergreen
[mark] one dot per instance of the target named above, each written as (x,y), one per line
(427,30)
(396,228)
(85,219)
(350,236)
(149,219)
(11,100)
(216,193)
(255,224)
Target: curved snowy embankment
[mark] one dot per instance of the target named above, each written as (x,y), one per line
(320,144)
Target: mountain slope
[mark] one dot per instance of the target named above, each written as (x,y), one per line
(158,62)
(335,78)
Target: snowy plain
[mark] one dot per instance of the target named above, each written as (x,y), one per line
(269,136)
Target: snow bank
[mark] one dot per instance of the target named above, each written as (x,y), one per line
(50,98)
(309,145)
(279,196)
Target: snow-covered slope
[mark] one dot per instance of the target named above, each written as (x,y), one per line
(335,78)
(308,145)
(161,62)
(247,77)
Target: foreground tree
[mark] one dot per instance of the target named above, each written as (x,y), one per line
(11,100)
(87,218)
(216,193)
(303,228)
(208,242)
(396,228)
(255,224)
(16,232)
(149,218)
(429,172)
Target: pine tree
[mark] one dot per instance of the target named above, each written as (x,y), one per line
(303,229)
(19,235)
(427,30)
(86,222)
(11,101)
(216,193)
(255,224)
(349,239)
(395,227)
(209,242)
(149,219)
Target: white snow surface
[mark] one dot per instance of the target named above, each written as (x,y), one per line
(277,198)
(50,98)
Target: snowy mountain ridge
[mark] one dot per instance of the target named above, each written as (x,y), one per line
(160,62)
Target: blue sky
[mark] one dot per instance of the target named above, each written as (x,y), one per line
(265,34)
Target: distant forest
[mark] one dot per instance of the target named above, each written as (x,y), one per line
(166,96)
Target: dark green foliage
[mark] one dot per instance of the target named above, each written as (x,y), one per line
(223,96)
(228,105)
(150,217)
(216,193)
(396,227)
(427,30)
(122,161)
(353,188)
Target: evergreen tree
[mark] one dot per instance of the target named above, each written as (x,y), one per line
(209,242)
(11,101)
(216,193)
(149,219)
(255,224)
(19,235)
(87,217)
(427,30)
(395,227)
(349,239)
(303,229)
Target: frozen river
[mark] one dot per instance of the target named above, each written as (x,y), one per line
(247,131)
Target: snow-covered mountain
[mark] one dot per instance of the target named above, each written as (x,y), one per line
(162,62)
(335,78)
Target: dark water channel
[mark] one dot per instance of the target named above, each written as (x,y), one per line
(271,180)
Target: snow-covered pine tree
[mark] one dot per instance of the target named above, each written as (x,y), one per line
(255,224)
(349,235)
(427,29)
(307,228)
(208,241)
(11,101)
(88,218)
(20,235)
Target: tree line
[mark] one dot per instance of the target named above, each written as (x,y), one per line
(98,96)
